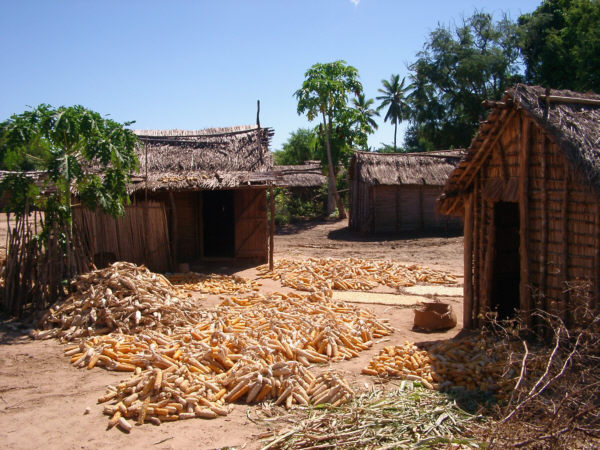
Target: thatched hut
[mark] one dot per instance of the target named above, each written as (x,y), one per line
(529,192)
(303,181)
(301,176)
(394,192)
(199,195)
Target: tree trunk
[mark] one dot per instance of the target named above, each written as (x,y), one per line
(332,194)
(395,130)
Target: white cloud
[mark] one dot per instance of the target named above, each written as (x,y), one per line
(356,2)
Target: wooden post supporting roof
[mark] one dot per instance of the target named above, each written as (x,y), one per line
(174,235)
(525,150)
(271,227)
(564,263)
(468,264)
(541,146)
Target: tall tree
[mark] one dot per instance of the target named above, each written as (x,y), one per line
(561,44)
(394,99)
(301,146)
(324,95)
(457,69)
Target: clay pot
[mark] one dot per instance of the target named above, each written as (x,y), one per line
(435,316)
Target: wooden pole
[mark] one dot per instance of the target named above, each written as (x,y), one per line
(564,265)
(476,266)
(481,246)
(468,265)
(596,279)
(541,145)
(488,271)
(271,227)
(421,218)
(524,292)
(146,216)
(174,235)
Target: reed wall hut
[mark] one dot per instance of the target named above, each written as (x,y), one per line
(396,192)
(529,192)
(200,195)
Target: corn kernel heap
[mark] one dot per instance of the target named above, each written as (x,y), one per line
(472,363)
(254,348)
(314,274)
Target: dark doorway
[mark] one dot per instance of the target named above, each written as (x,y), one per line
(506,277)
(218,223)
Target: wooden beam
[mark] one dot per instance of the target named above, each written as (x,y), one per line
(468,264)
(572,100)
(541,146)
(488,270)
(596,279)
(481,247)
(421,218)
(524,152)
(505,174)
(174,234)
(564,264)
(271,227)
(489,142)
(476,265)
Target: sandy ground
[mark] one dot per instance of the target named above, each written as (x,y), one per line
(43,399)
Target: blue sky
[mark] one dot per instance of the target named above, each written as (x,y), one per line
(199,64)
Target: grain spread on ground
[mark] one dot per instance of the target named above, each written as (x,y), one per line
(473,363)
(254,348)
(213,283)
(355,274)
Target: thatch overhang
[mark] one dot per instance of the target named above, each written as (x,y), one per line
(216,158)
(430,168)
(570,119)
(307,175)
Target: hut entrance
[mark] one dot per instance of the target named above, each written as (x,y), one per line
(218,224)
(506,266)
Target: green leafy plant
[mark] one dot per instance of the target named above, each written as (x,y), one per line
(78,154)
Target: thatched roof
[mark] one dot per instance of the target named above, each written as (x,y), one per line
(431,168)
(308,175)
(215,158)
(571,119)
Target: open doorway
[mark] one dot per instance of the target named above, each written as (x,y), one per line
(218,224)
(507,263)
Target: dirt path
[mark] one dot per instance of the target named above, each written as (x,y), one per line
(43,399)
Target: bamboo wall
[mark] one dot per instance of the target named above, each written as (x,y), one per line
(398,208)
(558,219)
(141,236)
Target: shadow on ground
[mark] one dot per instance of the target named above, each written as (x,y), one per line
(346,234)
(299,227)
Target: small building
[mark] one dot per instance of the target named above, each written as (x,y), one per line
(303,181)
(529,192)
(307,176)
(396,192)
(199,195)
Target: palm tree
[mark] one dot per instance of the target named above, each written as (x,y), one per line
(365,113)
(394,97)
(363,117)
